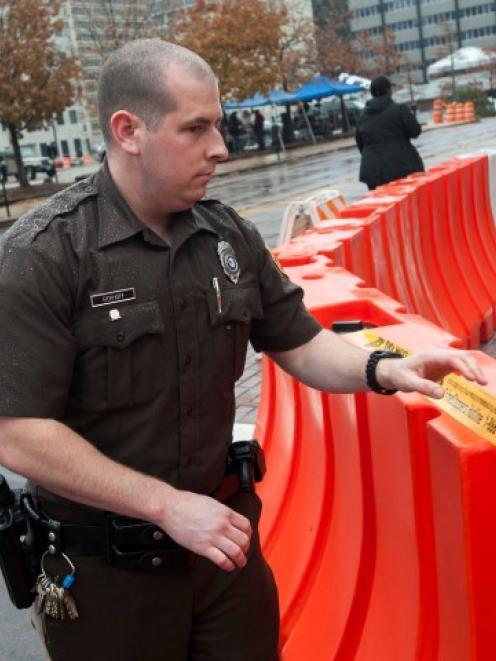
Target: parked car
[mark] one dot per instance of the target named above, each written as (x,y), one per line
(33,164)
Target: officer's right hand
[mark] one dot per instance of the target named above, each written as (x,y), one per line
(208,528)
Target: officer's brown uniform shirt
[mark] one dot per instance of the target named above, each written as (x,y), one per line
(118,335)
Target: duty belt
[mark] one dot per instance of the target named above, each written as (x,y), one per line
(135,544)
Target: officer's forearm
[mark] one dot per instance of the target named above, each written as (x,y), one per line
(55,457)
(327,363)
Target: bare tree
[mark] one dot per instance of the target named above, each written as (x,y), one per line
(37,81)
(239,39)
(298,53)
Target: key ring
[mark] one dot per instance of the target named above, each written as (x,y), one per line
(68,579)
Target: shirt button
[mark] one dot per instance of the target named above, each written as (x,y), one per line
(121,336)
(228,327)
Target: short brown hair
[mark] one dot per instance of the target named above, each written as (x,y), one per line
(133,78)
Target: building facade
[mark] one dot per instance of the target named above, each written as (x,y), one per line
(91,29)
(426,30)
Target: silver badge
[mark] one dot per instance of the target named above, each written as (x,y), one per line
(228,261)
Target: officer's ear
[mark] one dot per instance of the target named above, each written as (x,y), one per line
(126,130)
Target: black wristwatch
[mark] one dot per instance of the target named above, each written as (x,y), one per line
(371,367)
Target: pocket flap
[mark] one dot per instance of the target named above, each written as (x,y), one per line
(95,327)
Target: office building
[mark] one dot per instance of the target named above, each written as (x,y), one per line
(425,30)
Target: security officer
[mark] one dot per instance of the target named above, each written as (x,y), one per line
(127,305)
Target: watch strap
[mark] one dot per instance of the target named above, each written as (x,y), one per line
(371,367)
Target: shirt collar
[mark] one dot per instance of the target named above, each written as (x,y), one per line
(118,222)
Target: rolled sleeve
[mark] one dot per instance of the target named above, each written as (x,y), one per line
(286,323)
(37,348)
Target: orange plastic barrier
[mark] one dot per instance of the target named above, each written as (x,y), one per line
(379,511)
(477,214)
(461,233)
(350,524)
(437,235)
(462,469)
(360,539)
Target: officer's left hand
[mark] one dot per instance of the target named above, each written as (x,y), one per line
(424,370)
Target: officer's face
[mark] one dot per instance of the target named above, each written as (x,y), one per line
(178,159)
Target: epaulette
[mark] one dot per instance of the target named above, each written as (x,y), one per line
(65,201)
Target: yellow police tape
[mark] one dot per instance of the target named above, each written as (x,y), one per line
(472,407)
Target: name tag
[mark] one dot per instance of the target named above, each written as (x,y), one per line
(113,297)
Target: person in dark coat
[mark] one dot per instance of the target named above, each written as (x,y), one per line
(383,137)
(235,126)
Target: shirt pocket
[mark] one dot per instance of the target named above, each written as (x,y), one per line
(231,316)
(119,361)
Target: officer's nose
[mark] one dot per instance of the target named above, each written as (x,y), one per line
(217,150)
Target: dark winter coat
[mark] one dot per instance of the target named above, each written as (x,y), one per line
(383,137)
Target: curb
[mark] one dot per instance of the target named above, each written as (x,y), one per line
(283,160)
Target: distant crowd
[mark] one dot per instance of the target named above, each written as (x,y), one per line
(249,130)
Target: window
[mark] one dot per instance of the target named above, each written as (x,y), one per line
(73,118)
(78,147)
(60,119)
(65,147)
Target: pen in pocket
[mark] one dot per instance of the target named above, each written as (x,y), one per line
(218,296)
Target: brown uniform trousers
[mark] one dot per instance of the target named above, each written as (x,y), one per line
(202,615)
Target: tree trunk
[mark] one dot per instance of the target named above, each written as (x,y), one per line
(14,141)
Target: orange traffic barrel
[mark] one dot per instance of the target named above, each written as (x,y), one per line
(437,111)
(459,112)
(451,112)
(469,111)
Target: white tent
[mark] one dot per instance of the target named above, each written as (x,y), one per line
(351,79)
(463,59)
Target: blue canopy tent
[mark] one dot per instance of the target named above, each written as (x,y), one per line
(274,98)
(321,87)
(317,88)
